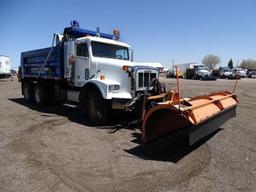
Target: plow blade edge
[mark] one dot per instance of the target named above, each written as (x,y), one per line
(200,131)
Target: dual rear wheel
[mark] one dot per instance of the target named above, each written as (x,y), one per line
(28,91)
(93,105)
(40,93)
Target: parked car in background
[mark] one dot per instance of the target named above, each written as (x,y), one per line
(241,72)
(225,72)
(251,73)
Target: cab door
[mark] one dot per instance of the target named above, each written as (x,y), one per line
(82,64)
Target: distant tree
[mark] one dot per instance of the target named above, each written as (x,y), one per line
(248,64)
(230,64)
(210,61)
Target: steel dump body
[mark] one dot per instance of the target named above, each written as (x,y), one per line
(32,63)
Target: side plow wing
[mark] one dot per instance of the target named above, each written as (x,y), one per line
(196,117)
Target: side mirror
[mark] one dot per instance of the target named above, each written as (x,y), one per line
(132,56)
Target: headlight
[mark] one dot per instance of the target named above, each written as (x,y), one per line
(114,87)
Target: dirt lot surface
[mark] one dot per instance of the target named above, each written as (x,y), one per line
(54,149)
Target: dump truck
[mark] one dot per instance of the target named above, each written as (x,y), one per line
(227,73)
(92,69)
(96,71)
(199,72)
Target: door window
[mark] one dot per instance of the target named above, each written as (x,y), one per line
(82,50)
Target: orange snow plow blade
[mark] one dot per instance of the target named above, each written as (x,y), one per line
(199,116)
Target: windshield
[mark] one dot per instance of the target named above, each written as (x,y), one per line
(109,51)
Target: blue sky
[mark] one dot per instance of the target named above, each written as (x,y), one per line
(158,31)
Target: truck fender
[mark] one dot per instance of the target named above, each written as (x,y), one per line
(101,87)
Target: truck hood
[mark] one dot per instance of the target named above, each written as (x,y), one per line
(121,63)
(148,64)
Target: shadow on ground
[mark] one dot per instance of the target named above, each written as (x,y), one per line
(74,114)
(178,149)
(119,120)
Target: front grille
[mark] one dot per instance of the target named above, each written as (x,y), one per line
(145,79)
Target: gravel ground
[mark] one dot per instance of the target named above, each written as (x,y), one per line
(54,149)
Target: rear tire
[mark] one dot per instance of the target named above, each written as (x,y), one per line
(42,94)
(28,91)
(95,107)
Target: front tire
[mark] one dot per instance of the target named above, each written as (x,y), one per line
(95,107)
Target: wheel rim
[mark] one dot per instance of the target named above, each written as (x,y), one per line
(26,92)
(92,107)
(37,95)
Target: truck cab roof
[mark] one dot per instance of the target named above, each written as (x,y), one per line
(102,40)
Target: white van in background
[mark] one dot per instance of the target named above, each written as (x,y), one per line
(5,66)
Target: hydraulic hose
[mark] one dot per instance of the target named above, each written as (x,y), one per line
(48,56)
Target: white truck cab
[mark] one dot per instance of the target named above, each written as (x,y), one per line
(202,71)
(108,65)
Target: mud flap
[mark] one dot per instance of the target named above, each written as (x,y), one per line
(207,127)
